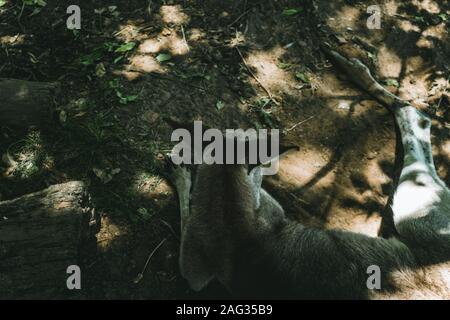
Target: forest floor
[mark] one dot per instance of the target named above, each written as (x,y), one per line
(230,64)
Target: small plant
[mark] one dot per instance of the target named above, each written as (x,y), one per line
(30,158)
(284,66)
(220,105)
(302,76)
(392,82)
(125,47)
(265,107)
(40,3)
(444,17)
(419,19)
(123,99)
(163,57)
(291,12)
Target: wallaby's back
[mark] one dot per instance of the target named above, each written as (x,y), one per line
(244,240)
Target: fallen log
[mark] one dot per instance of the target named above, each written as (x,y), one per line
(26,103)
(41,234)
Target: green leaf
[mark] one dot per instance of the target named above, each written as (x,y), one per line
(131,98)
(392,82)
(119,94)
(220,105)
(125,99)
(2,3)
(303,77)
(283,65)
(144,213)
(41,3)
(91,58)
(419,19)
(163,57)
(109,46)
(443,16)
(291,12)
(113,84)
(118,59)
(100,70)
(126,47)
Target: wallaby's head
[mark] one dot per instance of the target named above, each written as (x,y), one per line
(228,210)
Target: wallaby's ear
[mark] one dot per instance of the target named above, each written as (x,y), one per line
(283,148)
(193,262)
(256,175)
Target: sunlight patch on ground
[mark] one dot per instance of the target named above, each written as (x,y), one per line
(151,46)
(330,86)
(152,187)
(173,15)
(130,32)
(196,34)
(145,63)
(18,39)
(391,7)
(445,272)
(390,64)
(264,64)
(429,5)
(439,32)
(416,82)
(298,168)
(446,147)
(407,26)
(29,159)
(424,43)
(167,42)
(172,43)
(109,232)
(346,17)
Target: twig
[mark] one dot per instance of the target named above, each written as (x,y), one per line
(240,17)
(140,276)
(254,76)
(184,38)
(149,8)
(20,16)
(297,124)
(299,199)
(167,224)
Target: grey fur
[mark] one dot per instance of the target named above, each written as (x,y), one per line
(234,231)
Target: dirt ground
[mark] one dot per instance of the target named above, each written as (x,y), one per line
(230,64)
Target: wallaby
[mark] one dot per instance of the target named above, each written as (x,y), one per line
(234,231)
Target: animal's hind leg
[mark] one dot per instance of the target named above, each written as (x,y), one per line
(421,203)
(414,129)
(420,196)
